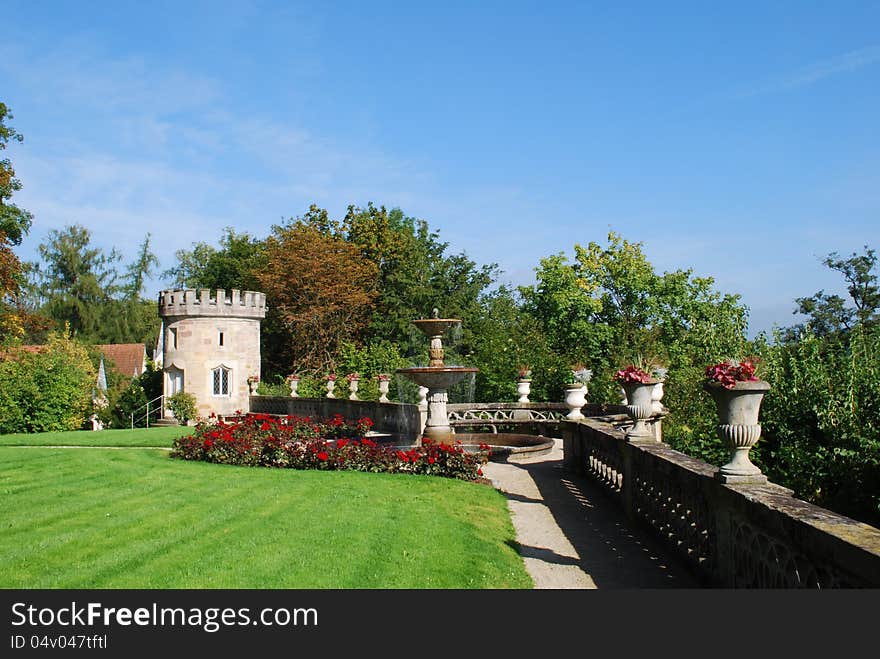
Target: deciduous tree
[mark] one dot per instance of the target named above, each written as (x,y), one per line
(831,315)
(322,292)
(233,265)
(15,222)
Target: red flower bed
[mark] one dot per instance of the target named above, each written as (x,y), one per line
(305,443)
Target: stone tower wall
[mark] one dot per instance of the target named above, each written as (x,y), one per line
(206,330)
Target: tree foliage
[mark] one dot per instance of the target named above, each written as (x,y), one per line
(610,307)
(15,222)
(48,389)
(821,419)
(321,290)
(78,284)
(507,338)
(234,265)
(821,435)
(415,273)
(831,315)
(384,268)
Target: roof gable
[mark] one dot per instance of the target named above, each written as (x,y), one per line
(129,359)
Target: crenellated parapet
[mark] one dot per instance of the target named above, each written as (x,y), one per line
(212,303)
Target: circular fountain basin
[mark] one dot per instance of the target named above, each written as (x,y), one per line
(436,377)
(506,447)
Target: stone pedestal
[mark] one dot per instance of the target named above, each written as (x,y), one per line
(437,426)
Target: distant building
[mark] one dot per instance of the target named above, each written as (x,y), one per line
(128,359)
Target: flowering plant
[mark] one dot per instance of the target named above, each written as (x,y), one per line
(383,377)
(578,375)
(353,376)
(292,376)
(253,378)
(581,373)
(292,442)
(524,373)
(331,376)
(728,373)
(633,373)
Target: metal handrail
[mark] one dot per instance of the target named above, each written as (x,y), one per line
(147,406)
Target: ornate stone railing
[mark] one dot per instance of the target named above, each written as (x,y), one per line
(740,536)
(536,418)
(476,416)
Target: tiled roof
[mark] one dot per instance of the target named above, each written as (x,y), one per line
(128,359)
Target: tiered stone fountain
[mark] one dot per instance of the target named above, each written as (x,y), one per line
(437,377)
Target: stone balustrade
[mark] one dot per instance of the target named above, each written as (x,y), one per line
(536,418)
(737,536)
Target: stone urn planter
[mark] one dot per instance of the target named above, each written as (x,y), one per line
(353,388)
(384,383)
(253,384)
(331,385)
(293,383)
(575,399)
(523,388)
(738,410)
(639,407)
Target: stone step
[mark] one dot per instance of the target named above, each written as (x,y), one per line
(163,422)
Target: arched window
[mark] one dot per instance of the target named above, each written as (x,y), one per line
(220,381)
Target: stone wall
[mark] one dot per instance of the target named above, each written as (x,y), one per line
(399,420)
(737,536)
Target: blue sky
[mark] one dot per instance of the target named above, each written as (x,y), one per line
(739,140)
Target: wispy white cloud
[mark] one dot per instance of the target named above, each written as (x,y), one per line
(816,72)
(165,151)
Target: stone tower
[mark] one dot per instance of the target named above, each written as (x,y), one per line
(211,346)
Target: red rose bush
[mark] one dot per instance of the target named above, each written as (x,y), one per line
(329,444)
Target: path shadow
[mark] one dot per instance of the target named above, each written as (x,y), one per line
(610,552)
(543,554)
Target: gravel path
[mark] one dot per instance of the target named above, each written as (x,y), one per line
(572,536)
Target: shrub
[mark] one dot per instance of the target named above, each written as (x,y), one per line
(129,401)
(183,406)
(330,444)
(821,420)
(48,390)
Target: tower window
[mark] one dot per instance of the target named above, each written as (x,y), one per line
(220,380)
(220,338)
(173,332)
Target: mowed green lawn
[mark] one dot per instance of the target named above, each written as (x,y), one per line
(160,436)
(73,518)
